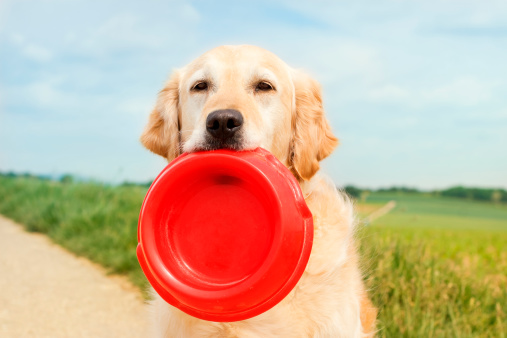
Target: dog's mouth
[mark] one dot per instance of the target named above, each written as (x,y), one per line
(213,143)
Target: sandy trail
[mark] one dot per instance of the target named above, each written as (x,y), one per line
(381,212)
(46,291)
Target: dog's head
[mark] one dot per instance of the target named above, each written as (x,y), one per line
(242,97)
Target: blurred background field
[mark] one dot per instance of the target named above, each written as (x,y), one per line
(436,266)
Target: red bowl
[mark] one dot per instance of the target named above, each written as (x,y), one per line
(224,235)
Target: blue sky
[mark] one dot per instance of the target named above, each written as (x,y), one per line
(415,90)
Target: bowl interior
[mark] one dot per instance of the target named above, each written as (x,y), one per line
(217,222)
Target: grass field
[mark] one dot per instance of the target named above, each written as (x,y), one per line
(436,267)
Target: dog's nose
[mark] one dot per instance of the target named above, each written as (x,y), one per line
(224,123)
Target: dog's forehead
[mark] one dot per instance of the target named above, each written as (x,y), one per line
(246,59)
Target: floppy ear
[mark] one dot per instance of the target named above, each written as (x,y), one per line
(162,133)
(312,138)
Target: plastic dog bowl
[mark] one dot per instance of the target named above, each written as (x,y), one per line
(224,235)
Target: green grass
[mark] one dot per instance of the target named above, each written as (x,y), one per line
(92,220)
(435,266)
(421,204)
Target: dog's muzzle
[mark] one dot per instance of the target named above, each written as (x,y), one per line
(223,129)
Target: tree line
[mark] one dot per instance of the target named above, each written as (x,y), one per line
(471,193)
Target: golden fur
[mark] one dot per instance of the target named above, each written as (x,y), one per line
(330,299)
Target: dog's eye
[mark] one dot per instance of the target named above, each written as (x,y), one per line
(200,86)
(263,87)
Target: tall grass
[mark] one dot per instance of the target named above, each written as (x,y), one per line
(435,267)
(92,220)
(434,284)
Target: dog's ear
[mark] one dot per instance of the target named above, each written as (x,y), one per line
(162,133)
(312,138)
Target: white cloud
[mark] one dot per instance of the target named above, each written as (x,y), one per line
(389,93)
(340,60)
(70,37)
(461,92)
(31,50)
(137,106)
(37,53)
(119,32)
(487,115)
(17,38)
(189,13)
(133,31)
(45,93)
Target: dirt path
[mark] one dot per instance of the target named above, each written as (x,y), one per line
(46,291)
(381,212)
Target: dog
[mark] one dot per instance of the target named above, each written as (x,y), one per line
(244,97)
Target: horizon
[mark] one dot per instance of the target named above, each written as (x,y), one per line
(82,179)
(414,91)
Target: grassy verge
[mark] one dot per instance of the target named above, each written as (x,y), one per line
(436,267)
(91,220)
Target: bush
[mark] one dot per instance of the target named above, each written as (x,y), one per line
(353,191)
(399,189)
(478,194)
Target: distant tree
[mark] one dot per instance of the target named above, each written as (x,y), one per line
(140,184)
(399,189)
(66,179)
(478,194)
(482,194)
(147,184)
(460,192)
(352,191)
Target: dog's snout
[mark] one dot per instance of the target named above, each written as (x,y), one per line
(224,123)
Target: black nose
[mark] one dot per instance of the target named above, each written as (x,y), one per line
(224,123)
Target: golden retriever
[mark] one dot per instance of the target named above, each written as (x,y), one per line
(243,97)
